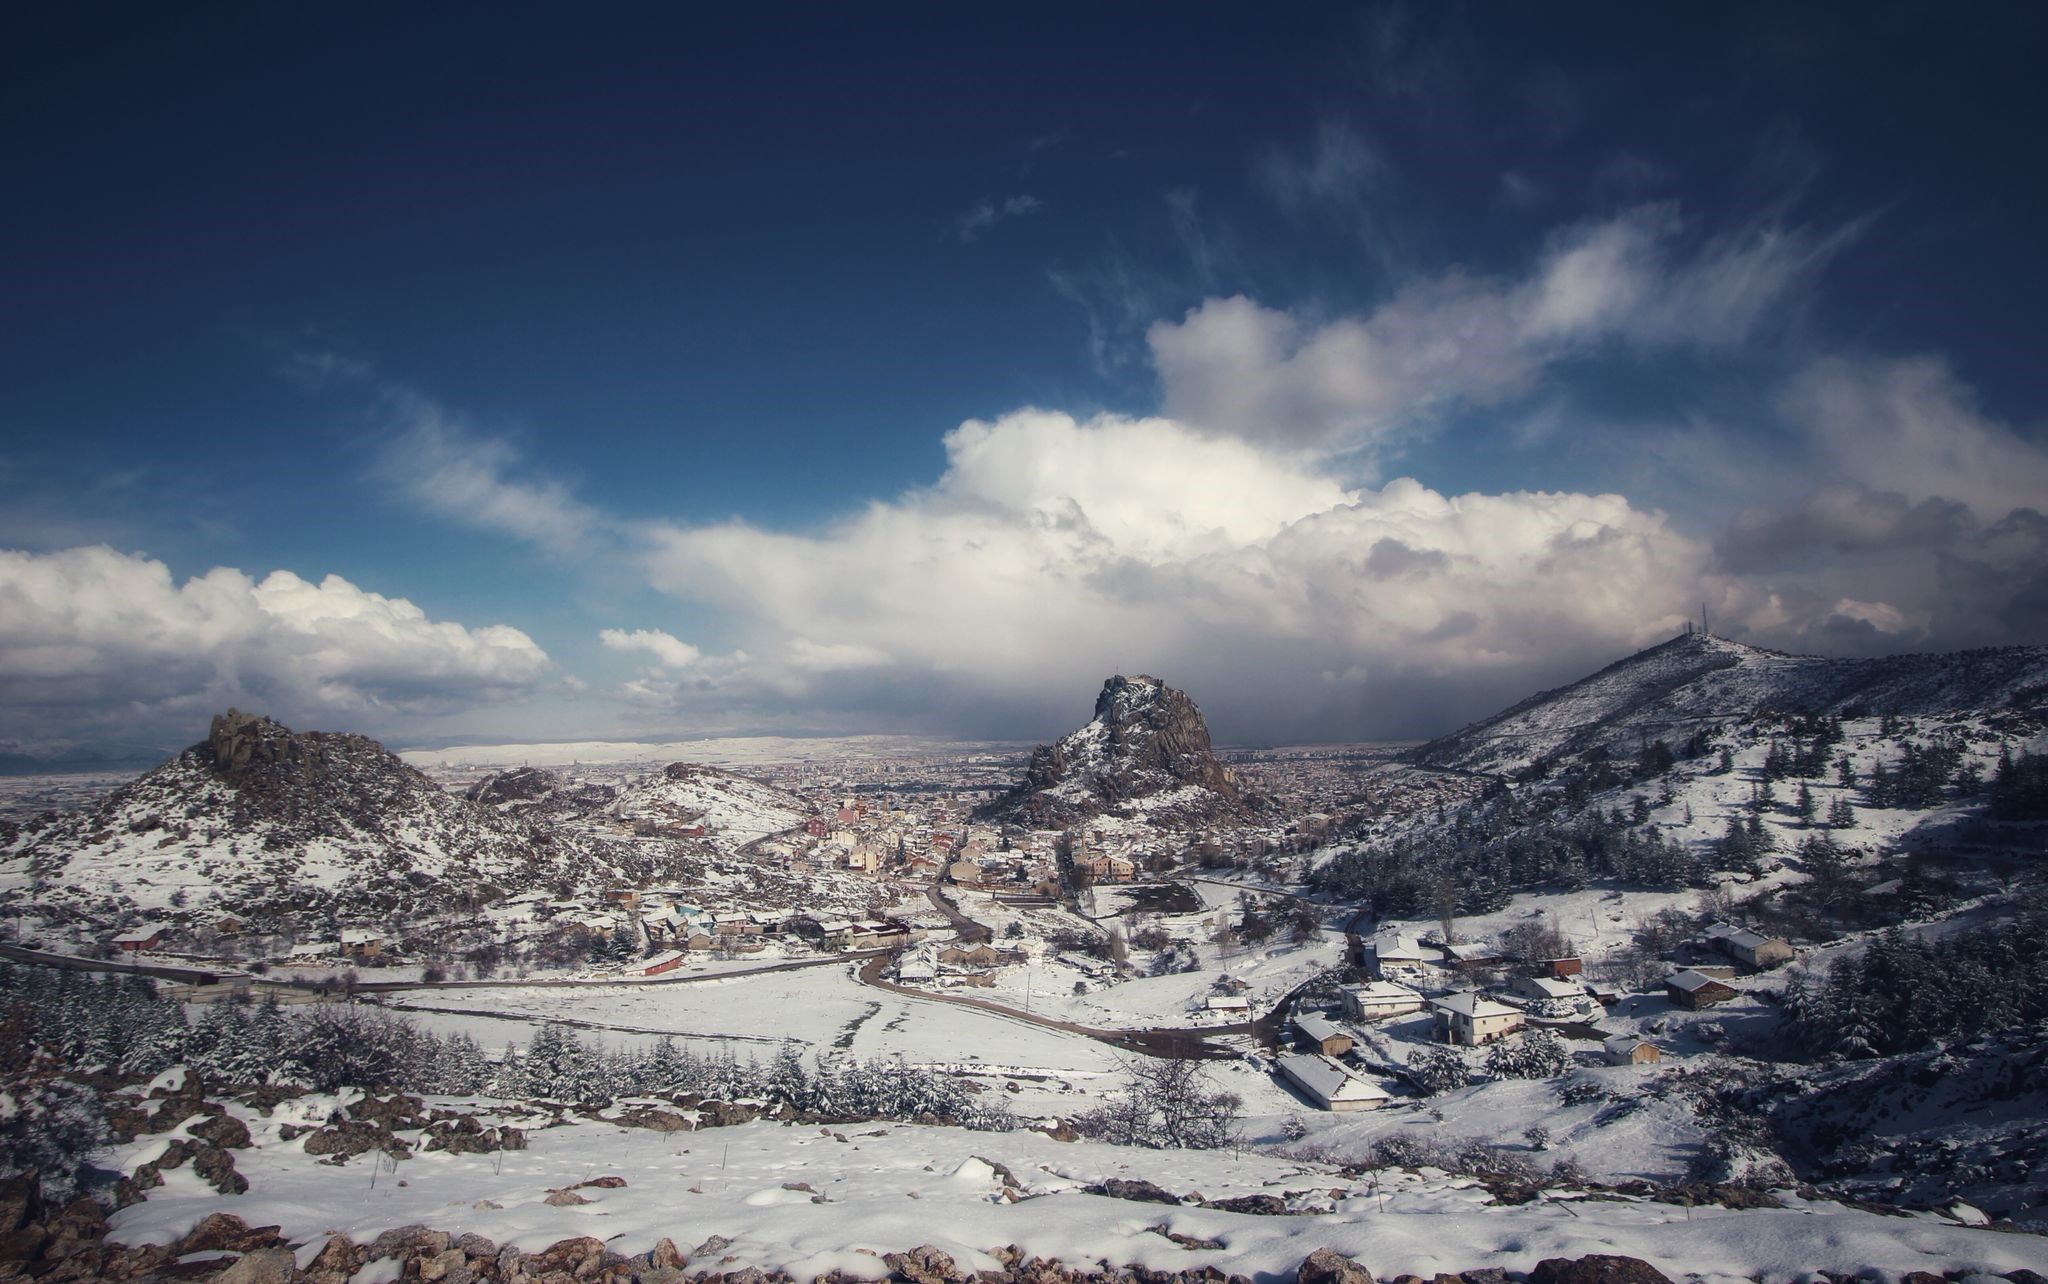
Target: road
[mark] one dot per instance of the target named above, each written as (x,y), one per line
(970,932)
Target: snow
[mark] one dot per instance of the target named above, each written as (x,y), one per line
(881,1188)
(734,751)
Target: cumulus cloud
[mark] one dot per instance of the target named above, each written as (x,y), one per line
(1052,552)
(1235,366)
(1926,525)
(95,639)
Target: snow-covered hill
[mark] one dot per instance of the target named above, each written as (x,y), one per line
(1697,682)
(259,820)
(1144,755)
(733,810)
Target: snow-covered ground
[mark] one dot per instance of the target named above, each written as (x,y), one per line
(808,1200)
(731,751)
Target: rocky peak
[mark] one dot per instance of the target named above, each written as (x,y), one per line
(1146,739)
(246,747)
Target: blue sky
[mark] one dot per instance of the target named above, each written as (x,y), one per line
(1357,369)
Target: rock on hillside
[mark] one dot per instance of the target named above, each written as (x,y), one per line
(1145,753)
(732,810)
(270,823)
(540,793)
(1696,682)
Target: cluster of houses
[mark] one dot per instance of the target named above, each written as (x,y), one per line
(1412,977)
(956,964)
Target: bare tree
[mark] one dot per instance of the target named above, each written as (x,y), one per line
(1165,1103)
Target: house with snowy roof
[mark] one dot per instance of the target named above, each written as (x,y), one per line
(362,943)
(666,961)
(1751,949)
(1329,1084)
(1540,988)
(1630,1050)
(1377,1000)
(1694,989)
(1470,1019)
(1314,1030)
(146,937)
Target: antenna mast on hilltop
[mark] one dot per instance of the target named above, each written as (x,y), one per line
(1703,620)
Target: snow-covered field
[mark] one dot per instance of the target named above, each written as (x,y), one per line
(808,1200)
(731,751)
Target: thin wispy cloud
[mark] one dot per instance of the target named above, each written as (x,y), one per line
(434,461)
(983,215)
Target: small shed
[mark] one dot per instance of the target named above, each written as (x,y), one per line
(1319,1032)
(1630,1050)
(1329,1085)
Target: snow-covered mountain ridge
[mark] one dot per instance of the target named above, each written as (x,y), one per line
(1696,682)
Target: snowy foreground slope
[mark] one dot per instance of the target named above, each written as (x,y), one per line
(1698,681)
(807,1200)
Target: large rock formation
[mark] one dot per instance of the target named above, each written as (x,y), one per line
(261,821)
(1146,753)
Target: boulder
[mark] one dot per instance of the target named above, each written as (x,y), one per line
(1328,1266)
(264,1266)
(223,1130)
(925,1265)
(1143,1192)
(225,1232)
(1597,1268)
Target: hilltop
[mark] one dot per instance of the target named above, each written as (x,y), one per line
(258,819)
(1697,682)
(1144,755)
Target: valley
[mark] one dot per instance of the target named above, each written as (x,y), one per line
(1686,935)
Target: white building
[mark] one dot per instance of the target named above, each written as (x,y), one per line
(1472,1019)
(1378,999)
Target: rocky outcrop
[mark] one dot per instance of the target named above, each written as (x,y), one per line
(1146,749)
(281,825)
(536,791)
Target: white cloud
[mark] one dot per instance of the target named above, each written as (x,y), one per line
(444,467)
(1052,552)
(667,649)
(112,639)
(1235,366)
(1911,428)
